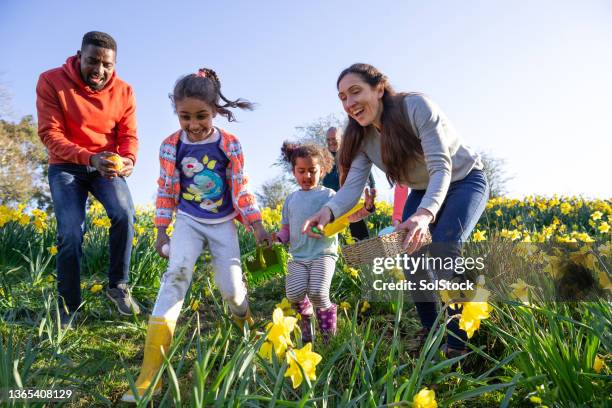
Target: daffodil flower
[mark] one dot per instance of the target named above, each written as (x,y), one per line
(471,316)
(520,290)
(95,288)
(479,236)
(279,332)
(425,398)
(286,307)
(598,364)
(304,358)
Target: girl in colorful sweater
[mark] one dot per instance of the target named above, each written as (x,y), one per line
(202,179)
(313,261)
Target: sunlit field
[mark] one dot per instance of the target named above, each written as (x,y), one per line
(525,349)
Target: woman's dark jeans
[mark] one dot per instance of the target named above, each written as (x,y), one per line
(69,185)
(464,204)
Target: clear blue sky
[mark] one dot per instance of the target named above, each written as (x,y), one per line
(528,81)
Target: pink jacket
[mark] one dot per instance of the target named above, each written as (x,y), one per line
(169,186)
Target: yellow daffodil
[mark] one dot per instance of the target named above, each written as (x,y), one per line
(596,215)
(535,399)
(53,250)
(398,274)
(606,249)
(598,364)
(194,305)
(604,280)
(265,351)
(286,307)
(365,306)
(95,288)
(565,208)
(520,290)
(498,213)
(479,236)
(475,311)
(96,208)
(425,398)
(472,314)
(604,227)
(24,219)
(102,222)
(304,358)
(554,265)
(345,305)
(584,256)
(354,273)
(279,331)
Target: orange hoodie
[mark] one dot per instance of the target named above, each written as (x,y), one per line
(75,122)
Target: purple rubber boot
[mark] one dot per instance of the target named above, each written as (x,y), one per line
(327,319)
(304,308)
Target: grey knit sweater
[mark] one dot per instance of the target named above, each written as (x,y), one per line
(447,159)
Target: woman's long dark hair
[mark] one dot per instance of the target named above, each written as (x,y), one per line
(400,147)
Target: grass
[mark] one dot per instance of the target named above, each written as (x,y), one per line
(534,355)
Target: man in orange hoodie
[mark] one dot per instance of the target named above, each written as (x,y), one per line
(87,121)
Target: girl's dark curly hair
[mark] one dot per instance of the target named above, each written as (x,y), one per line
(291,151)
(205,85)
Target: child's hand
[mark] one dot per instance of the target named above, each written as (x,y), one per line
(261,235)
(370,196)
(162,239)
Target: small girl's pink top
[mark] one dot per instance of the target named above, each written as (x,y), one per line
(399,200)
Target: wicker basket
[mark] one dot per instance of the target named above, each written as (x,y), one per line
(364,252)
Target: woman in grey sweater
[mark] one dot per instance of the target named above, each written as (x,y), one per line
(408,137)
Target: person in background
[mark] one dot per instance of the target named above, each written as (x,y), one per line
(358,229)
(400,194)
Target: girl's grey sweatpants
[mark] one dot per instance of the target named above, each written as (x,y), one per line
(186,245)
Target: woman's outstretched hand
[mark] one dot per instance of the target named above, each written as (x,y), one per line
(417,226)
(319,220)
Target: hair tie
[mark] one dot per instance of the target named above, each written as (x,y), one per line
(201,73)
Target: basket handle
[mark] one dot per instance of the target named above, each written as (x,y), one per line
(260,255)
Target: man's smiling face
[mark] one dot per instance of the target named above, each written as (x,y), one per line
(97,65)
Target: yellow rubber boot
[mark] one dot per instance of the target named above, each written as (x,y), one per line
(159,337)
(246,318)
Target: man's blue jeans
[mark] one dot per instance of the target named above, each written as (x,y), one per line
(464,204)
(69,185)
